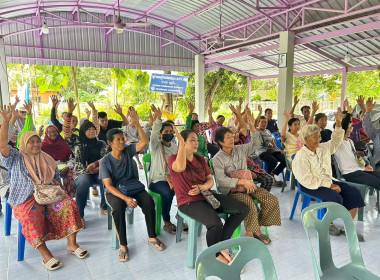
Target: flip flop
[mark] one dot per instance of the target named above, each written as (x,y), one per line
(125,254)
(156,245)
(80,253)
(170,228)
(263,238)
(52,264)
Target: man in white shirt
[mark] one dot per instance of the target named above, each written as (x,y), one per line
(312,169)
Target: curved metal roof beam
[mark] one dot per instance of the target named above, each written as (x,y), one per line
(105,7)
(189,48)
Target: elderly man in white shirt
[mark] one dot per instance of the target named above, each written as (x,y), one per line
(312,169)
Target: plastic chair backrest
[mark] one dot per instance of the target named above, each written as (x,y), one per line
(370,149)
(147,158)
(250,248)
(337,170)
(334,211)
(276,134)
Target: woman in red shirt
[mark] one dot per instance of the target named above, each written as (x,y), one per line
(190,175)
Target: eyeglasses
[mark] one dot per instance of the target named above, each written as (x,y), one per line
(22,112)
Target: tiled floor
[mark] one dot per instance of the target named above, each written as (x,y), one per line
(289,249)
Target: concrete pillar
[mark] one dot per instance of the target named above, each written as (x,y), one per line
(249,88)
(200,87)
(344,87)
(4,86)
(285,80)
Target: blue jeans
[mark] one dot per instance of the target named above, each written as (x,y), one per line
(162,188)
(83,183)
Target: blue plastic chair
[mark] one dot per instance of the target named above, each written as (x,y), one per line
(305,203)
(249,249)
(326,269)
(8,218)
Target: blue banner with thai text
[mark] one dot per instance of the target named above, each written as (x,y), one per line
(168,83)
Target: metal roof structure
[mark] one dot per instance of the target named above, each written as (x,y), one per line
(82,33)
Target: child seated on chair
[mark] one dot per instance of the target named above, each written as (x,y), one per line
(124,189)
(312,169)
(191,176)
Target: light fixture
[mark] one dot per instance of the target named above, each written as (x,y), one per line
(119,30)
(347,58)
(45,28)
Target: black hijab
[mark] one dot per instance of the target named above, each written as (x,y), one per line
(90,148)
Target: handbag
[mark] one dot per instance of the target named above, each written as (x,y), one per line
(48,194)
(359,159)
(242,174)
(128,187)
(167,176)
(208,195)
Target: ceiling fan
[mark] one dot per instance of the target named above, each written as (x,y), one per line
(119,25)
(221,38)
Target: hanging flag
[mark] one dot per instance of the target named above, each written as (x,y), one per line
(27,91)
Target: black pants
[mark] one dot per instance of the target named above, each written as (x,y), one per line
(369,178)
(212,149)
(272,158)
(146,203)
(202,212)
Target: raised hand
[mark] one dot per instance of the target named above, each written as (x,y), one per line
(91,105)
(88,113)
(338,117)
(234,110)
(5,113)
(360,102)
(178,135)
(349,108)
(251,122)
(345,103)
(135,120)
(370,104)
(295,100)
(70,105)
(118,109)
(14,105)
(209,102)
(55,101)
(157,112)
(260,109)
(315,106)
(28,107)
(286,115)
(191,107)
(41,130)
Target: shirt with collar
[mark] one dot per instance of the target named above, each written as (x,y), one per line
(313,170)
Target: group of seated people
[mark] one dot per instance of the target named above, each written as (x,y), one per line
(101,153)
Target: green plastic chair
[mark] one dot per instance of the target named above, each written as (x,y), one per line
(326,268)
(147,158)
(371,149)
(237,232)
(361,187)
(250,248)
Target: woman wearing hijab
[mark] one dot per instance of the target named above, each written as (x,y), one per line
(40,223)
(55,146)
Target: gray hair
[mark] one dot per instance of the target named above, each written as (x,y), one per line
(309,130)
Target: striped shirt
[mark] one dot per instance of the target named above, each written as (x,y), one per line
(21,187)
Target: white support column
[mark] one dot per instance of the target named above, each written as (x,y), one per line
(200,87)
(4,86)
(249,88)
(285,80)
(344,87)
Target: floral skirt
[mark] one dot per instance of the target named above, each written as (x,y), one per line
(69,183)
(41,223)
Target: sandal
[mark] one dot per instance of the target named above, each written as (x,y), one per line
(125,256)
(185,228)
(52,264)
(360,236)
(80,253)
(157,245)
(170,228)
(263,238)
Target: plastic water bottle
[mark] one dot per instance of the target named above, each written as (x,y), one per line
(229,170)
(129,209)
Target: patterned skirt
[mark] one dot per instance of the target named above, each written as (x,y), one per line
(69,183)
(41,223)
